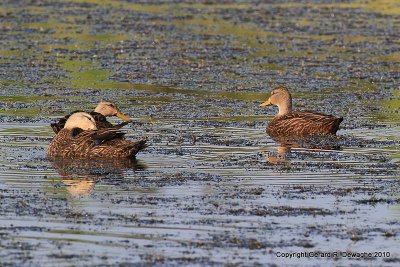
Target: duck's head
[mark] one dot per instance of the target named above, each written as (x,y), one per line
(280,97)
(80,120)
(108,109)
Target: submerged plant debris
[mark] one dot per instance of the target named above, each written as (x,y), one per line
(212,188)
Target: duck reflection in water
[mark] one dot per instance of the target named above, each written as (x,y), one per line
(280,156)
(80,176)
(285,145)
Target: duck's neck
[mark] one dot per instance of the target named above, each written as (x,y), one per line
(284,108)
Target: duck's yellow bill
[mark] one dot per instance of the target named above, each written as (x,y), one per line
(122,116)
(266,103)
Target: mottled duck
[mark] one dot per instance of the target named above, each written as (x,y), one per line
(104,109)
(80,138)
(297,124)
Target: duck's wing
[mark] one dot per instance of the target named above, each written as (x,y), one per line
(119,148)
(314,117)
(101,120)
(103,135)
(96,137)
(109,143)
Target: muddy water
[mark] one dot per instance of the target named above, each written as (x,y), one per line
(212,188)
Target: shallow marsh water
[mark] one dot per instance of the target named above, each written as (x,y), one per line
(212,188)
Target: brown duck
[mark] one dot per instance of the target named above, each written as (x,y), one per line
(80,138)
(297,124)
(104,109)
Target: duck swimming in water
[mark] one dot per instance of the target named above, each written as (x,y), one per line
(297,124)
(104,109)
(80,138)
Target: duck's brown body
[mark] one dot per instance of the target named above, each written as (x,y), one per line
(300,123)
(88,142)
(104,143)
